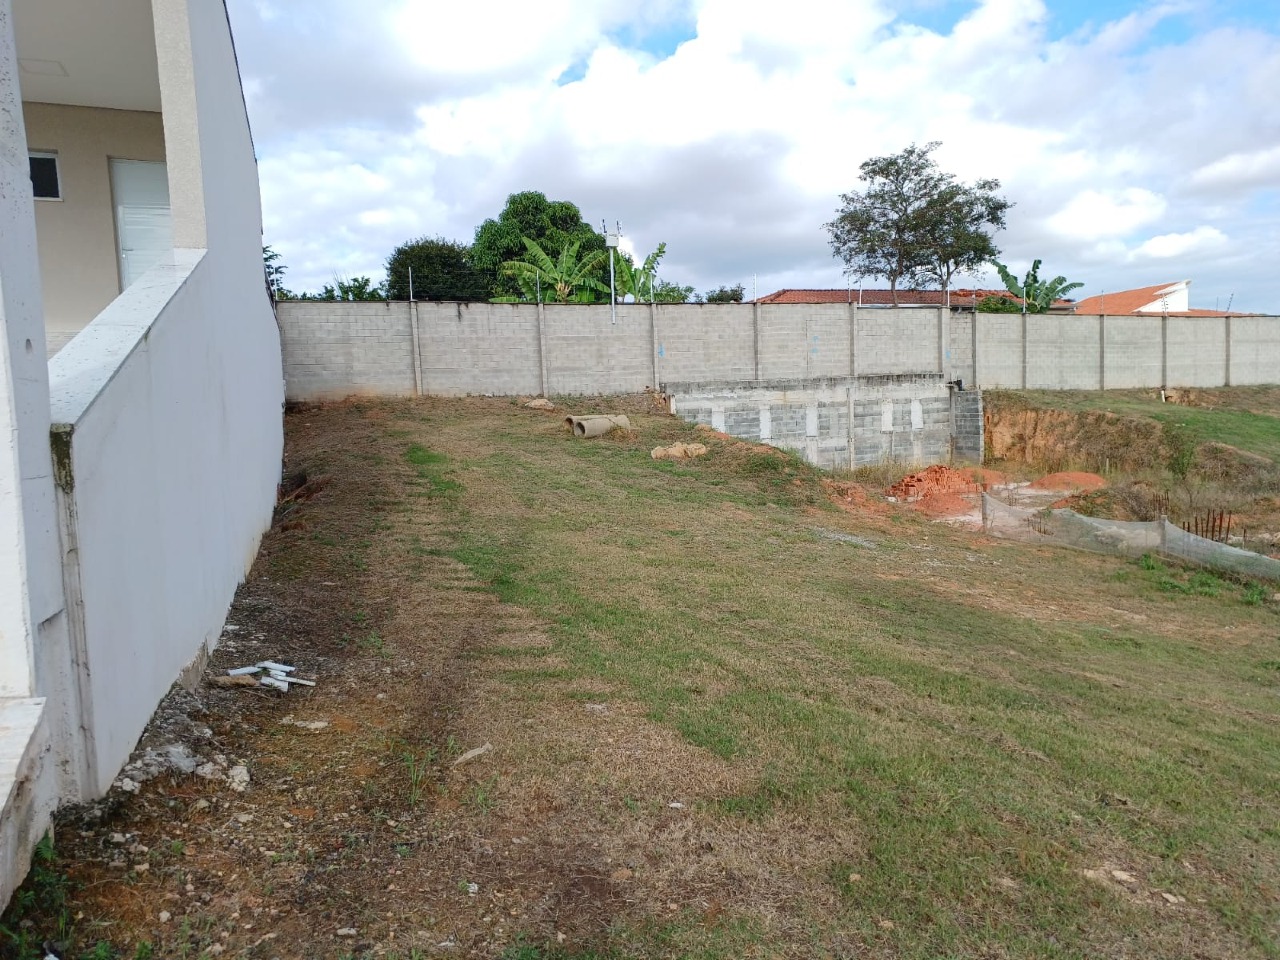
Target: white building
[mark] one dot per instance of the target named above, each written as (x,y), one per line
(139,465)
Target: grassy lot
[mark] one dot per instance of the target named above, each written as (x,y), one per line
(728,720)
(978,729)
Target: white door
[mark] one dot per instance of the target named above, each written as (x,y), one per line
(144,228)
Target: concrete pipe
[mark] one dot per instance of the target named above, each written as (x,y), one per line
(598,426)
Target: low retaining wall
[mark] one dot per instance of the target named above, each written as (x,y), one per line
(841,423)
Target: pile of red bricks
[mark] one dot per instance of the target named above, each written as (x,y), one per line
(931,480)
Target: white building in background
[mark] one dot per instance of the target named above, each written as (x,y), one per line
(139,466)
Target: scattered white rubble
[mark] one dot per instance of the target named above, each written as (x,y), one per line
(238,778)
(346,931)
(305,724)
(279,676)
(472,754)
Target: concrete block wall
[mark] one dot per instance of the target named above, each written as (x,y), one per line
(998,352)
(1255,348)
(589,352)
(337,350)
(1062,352)
(810,343)
(466,348)
(917,412)
(958,361)
(1196,352)
(897,341)
(966,412)
(332,350)
(712,341)
(1132,352)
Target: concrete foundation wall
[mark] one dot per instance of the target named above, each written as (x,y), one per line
(837,423)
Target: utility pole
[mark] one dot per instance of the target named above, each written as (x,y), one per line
(611,242)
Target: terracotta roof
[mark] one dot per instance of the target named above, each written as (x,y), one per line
(876,298)
(1123,303)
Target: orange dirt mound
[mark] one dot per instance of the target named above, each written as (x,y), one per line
(945,505)
(852,497)
(1070,481)
(932,480)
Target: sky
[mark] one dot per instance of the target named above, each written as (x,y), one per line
(1139,141)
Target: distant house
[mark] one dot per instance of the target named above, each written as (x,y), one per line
(959,299)
(1172,299)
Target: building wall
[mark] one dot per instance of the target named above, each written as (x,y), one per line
(167,422)
(77,234)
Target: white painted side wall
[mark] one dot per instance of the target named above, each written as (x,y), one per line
(170,402)
(32,610)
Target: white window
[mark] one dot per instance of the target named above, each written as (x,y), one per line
(45,184)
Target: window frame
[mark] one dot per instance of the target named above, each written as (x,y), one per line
(57,171)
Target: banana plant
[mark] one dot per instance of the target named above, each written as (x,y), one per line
(639,281)
(565,279)
(1036,295)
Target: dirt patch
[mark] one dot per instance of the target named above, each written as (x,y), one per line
(854,498)
(985,476)
(1069,480)
(944,505)
(1062,439)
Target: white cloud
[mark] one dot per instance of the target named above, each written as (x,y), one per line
(1169,245)
(398,118)
(1117,213)
(1240,171)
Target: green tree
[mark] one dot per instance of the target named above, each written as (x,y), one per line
(442,270)
(914,223)
(667,292)
(348,289)
(275,271)
(953,230)
(565,279)
(552,224)
(1036,295)
(722,294)
(638,281)
(998,304)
